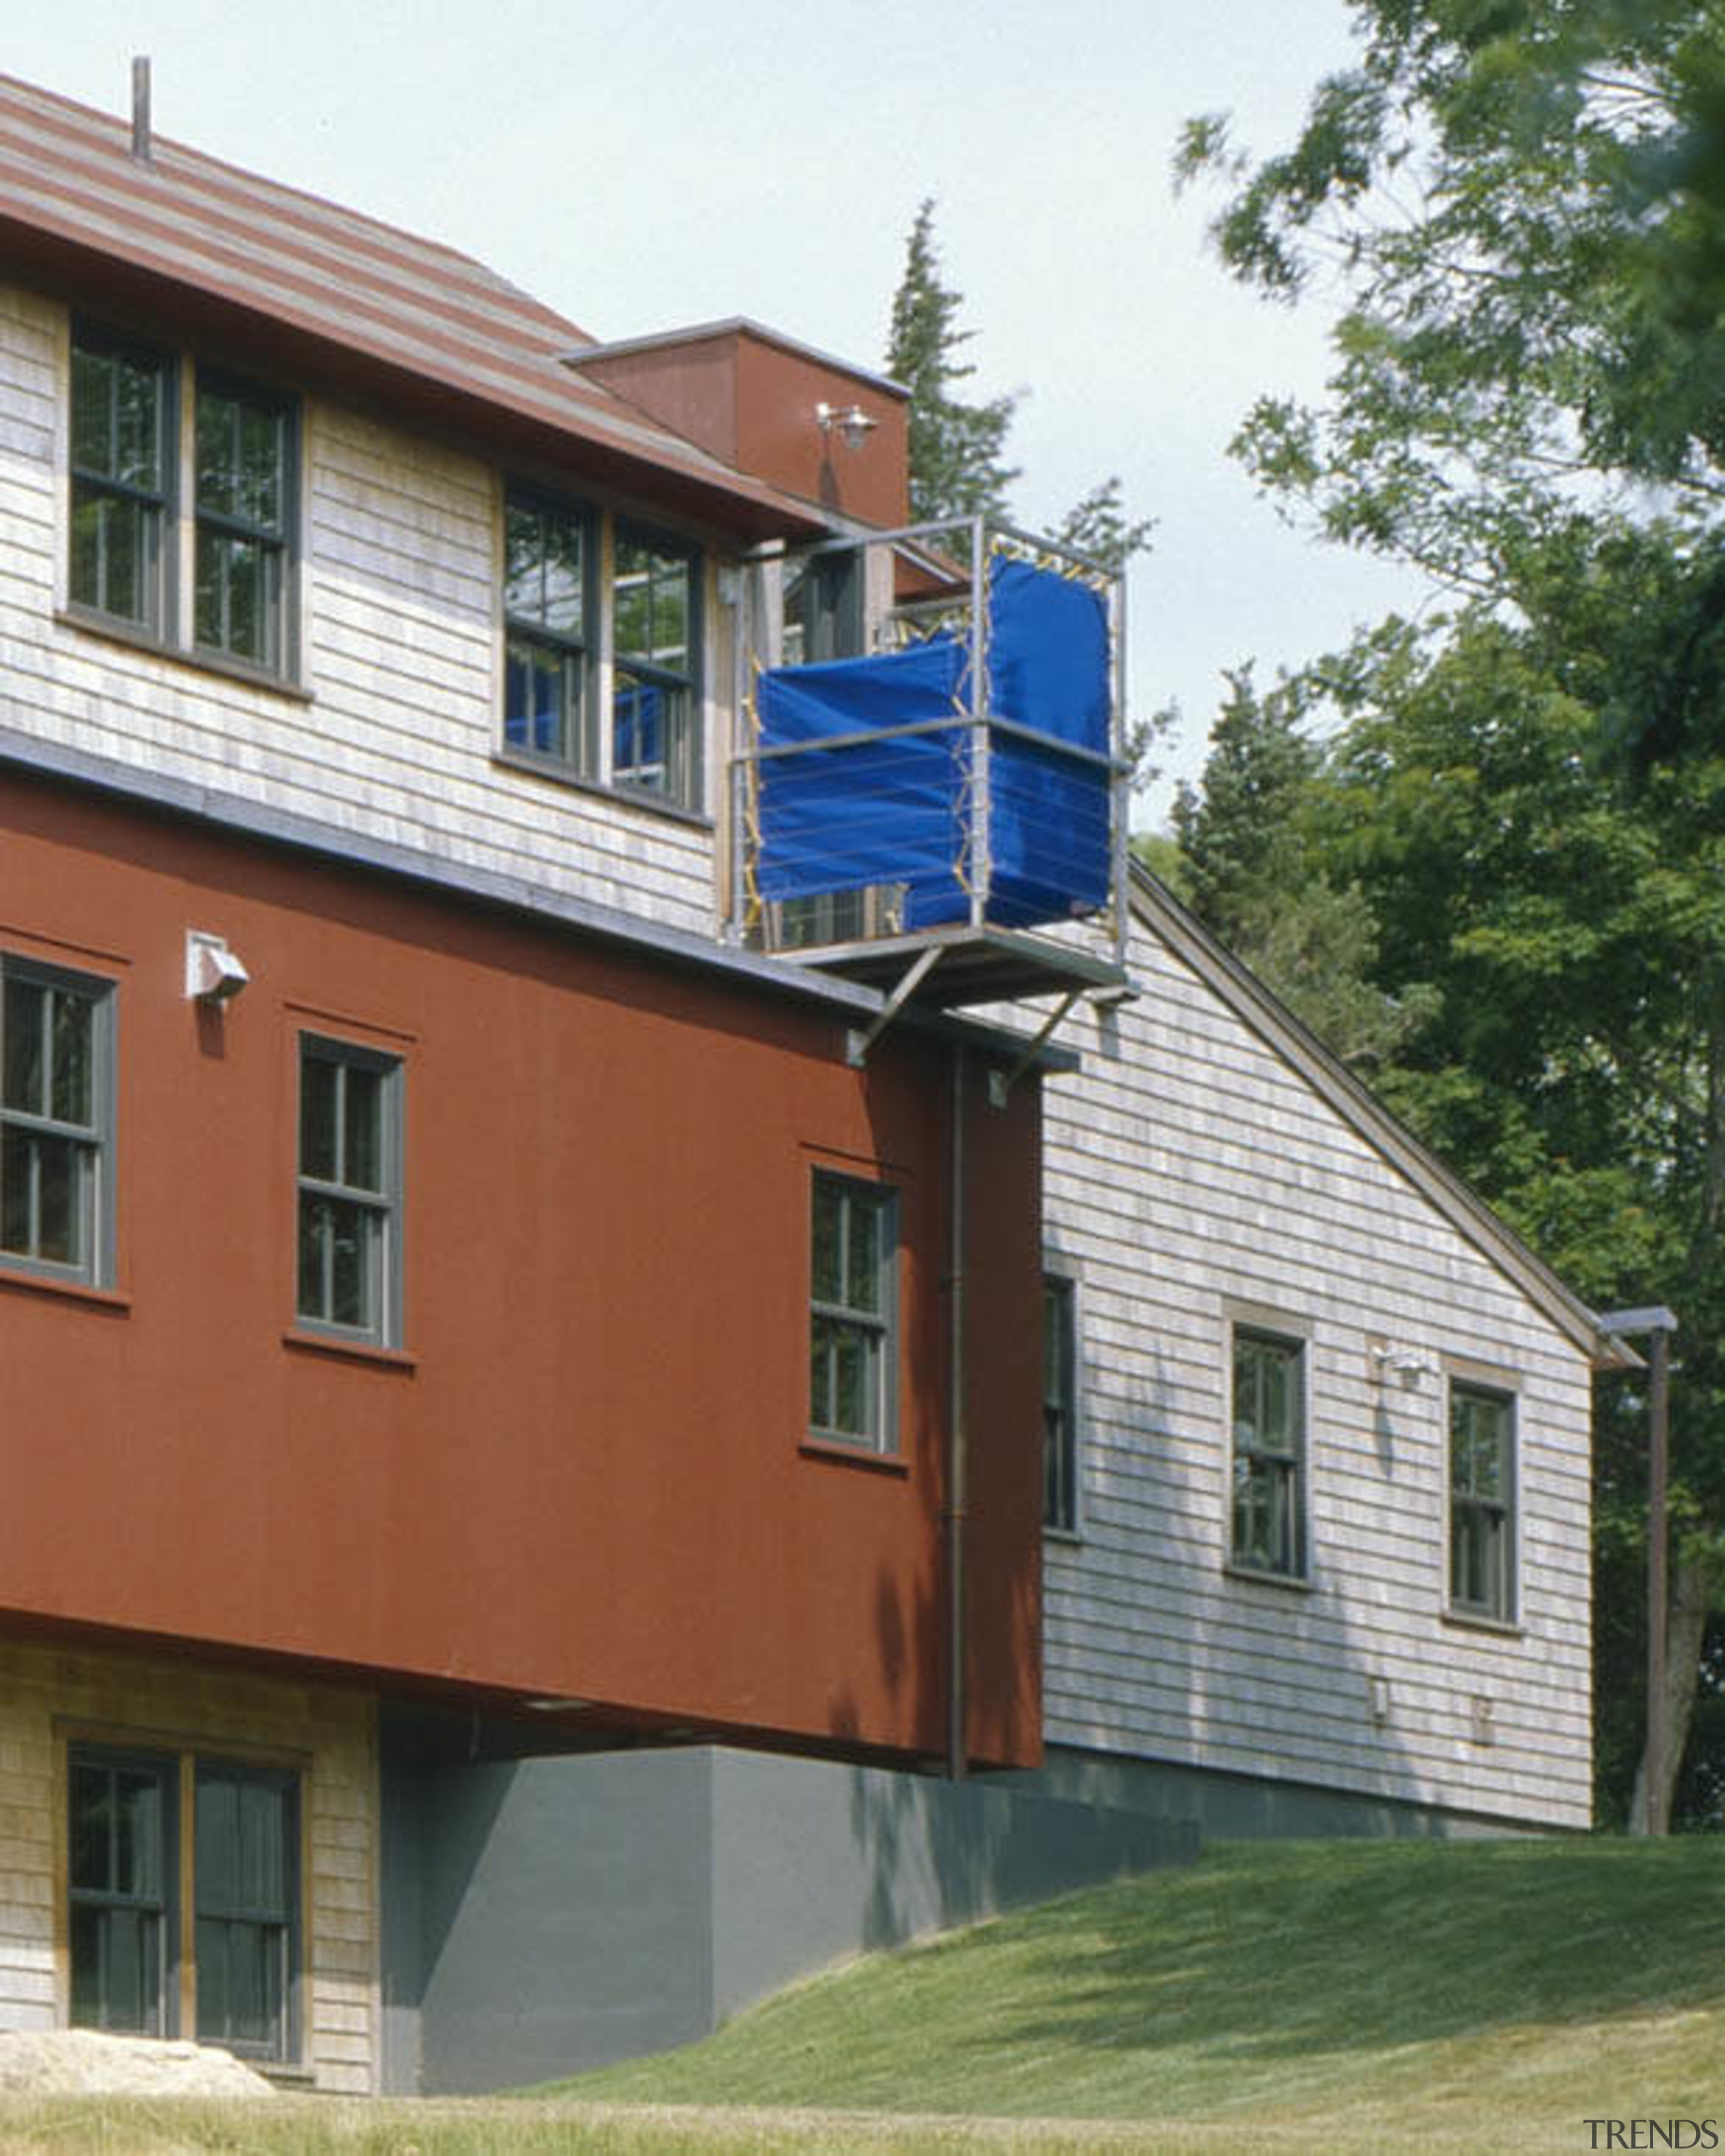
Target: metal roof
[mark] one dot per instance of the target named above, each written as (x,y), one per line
(412,309)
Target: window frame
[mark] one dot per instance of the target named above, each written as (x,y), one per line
(182,1771)
(94,1205)
(275,542)
(185,522)
(1467,1510)
(159,505)
(382,1206)
(1060,1451)
(684,782)
(1281,1467)
(834,1320)
(575,656)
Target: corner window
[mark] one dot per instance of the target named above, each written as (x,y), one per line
(1060,1406)
(350,1190)
(1481,1503)
(655,708)
(122,463)
(244,468)
(853,1307)
(56,1121)
(1267,1530)
(132,1925)
(546,557)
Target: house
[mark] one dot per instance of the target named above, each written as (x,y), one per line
(559,1354)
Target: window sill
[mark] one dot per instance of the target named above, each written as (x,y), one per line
(855,1455)
(1297,1583)
(90,624)
(350,1351)
(1476,1621)
(1070,1537)
(628,797)
(105,1299)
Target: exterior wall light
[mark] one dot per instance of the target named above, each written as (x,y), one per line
(214,974)
(1409,1368)
(851,423)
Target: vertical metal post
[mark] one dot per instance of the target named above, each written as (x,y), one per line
(957,1462)
(982,864)
(1120,786)
(1658,1584)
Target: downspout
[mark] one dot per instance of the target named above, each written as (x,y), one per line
(956,1454)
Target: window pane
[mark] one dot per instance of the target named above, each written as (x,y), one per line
(820,1373)
(258,479)
(539,689)
(862,1270)
(55,1167)
(18,1177)
(318,1082)
(71,1022)
(850,1382)
(362,1169)
(350,1256)
(217,418)
(137,423)
(23,1022)
(828,1247)
(91,1853)
(92,411)
(262,1846)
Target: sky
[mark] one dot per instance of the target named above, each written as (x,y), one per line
(652,166)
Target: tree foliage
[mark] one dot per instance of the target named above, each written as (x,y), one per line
(1523,202)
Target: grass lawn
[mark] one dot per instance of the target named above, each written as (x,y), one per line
(1342,1996)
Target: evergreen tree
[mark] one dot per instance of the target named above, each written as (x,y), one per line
(957,449)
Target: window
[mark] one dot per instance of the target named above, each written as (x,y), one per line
(546,603)
(120,1874)
(128,1930)
(132,475)
(1269,1416)
(122,465)
(350,1190)
(853,1332)
(243,485)
(246,1895)
(823,607)
(1481,1503)
(654,709)
(1060,1406)
(56,1121)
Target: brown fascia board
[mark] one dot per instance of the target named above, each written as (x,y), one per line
(1246,996)
(615,450)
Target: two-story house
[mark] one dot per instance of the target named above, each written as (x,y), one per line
(588,1211)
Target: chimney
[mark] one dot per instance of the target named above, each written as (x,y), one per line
(140,108)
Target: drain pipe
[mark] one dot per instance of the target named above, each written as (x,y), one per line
(957,1462)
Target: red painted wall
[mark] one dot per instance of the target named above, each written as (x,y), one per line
(586,1476)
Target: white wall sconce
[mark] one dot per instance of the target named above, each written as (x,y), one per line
(1405,1367)
(214,974)
(849,422)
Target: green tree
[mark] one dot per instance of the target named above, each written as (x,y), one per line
(1523,205)
(957,449)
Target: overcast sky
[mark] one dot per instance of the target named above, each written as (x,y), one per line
(664,162)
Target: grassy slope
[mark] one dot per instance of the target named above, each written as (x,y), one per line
(1416,1988)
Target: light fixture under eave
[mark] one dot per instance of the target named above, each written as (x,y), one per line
(849,422)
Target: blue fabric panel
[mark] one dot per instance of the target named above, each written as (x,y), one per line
(892,811)
(1048,653)
(883,812)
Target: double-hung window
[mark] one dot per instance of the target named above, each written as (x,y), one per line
(1267,1530)
(1060,1405)
(1481,1503)
(654,707)
(853,1312)
(131,1923)
(159,512)
(123,449)
(350,1190)
(548,554)
(244,473)
(56,1121)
